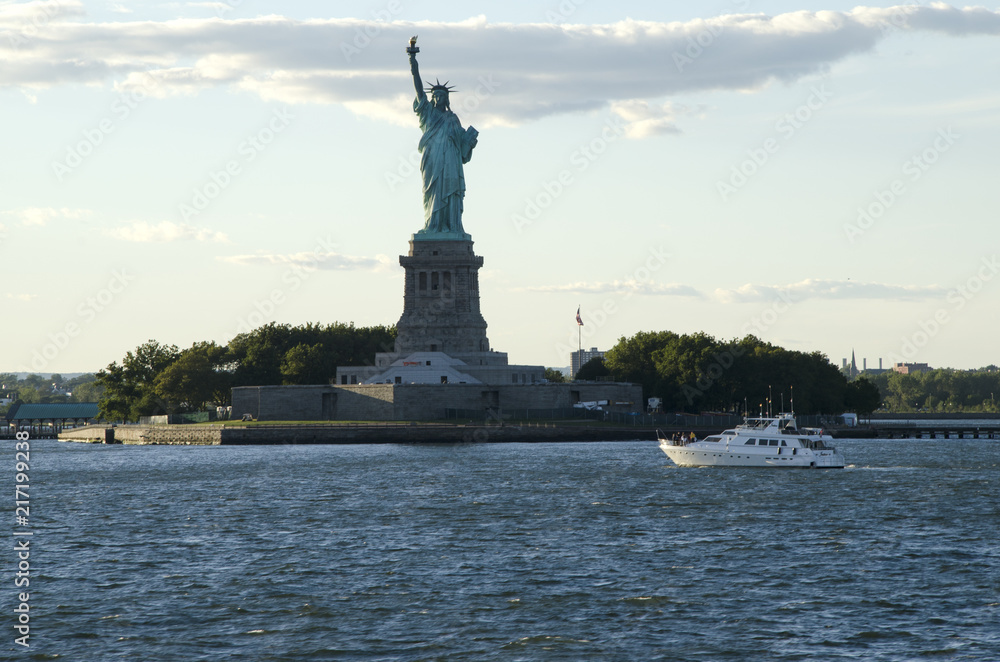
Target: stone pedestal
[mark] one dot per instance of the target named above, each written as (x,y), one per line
(441,299)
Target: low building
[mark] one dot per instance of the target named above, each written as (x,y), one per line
(416,402)
(911,368)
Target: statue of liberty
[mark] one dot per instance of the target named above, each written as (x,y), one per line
(444,148)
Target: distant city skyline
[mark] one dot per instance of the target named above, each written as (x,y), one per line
(818,177)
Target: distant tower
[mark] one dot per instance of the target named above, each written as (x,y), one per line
(854,366)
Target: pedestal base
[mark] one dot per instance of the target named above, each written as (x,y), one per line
(423,235)
(441,298)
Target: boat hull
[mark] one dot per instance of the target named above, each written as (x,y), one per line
(697,455)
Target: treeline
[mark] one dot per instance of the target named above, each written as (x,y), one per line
(940,391)
(162,379)
(36,389)
(697,372)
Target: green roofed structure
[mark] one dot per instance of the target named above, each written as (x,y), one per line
(40,418)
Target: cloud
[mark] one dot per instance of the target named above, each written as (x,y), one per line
(750,293)
(41,216)
(828,289)
(27,15)
(644,119)
(628,287)
(515,72)
(22,297)
(326,260)
(166,231)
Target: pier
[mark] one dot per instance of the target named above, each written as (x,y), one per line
(924,431)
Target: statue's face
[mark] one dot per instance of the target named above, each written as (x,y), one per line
(439,98)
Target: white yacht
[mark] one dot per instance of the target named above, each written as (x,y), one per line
(757,442)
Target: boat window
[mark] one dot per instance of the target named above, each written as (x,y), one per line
(773,442)
(713,438)
(750,442)
(783,443)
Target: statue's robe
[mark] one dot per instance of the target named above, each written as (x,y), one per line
(444,147)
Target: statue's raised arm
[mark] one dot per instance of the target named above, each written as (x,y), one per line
(415,68)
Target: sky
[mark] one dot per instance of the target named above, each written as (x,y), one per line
(819,175)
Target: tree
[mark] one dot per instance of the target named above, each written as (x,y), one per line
(259,356)
(197,378)
(905,393)
(79,380)
(87,392)
(554,376)
(862,397)
(631,360)
(258,353)
(307,364)
(696,372)
(129,388)
(35,381)
(160,379)
(592,369)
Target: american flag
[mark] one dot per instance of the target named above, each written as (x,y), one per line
(578,320)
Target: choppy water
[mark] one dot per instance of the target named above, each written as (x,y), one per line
(507,552)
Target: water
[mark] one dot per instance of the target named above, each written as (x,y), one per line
(507,552)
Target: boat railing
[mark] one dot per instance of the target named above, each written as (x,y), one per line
(672,440)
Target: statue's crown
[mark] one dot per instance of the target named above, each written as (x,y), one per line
(438,85)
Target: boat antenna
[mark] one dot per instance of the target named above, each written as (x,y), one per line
(769,401)
(792,396)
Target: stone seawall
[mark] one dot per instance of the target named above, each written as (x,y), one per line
(204,435)
(144,435)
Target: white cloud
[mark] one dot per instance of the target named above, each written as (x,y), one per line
(22,297)
(812,288)
(626,287)
(644,119)
(809,288)
(42,215)
(22,15)
(166,231)
(326,260)
(518,72)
